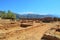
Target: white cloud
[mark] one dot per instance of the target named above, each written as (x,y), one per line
(26,12)
(34,13)
(43,13)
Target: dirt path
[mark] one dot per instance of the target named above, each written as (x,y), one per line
(33,33)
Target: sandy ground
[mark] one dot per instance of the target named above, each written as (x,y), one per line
(34,32)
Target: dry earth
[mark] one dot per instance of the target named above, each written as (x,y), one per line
(15,32)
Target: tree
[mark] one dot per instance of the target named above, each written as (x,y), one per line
(55,18)
(3,15)
(8,15)
(58,19)
(11,15)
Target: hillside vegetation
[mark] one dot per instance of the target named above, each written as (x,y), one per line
(7,15)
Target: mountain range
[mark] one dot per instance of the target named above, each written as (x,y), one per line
(33,16)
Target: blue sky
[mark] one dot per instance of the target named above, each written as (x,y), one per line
(31,6)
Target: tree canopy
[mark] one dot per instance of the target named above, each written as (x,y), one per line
(7,15)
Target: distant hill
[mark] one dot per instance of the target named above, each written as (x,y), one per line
(32,16)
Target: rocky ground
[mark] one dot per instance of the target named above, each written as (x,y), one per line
(13,31)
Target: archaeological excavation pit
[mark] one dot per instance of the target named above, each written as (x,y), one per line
(24,25)
(48,37)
